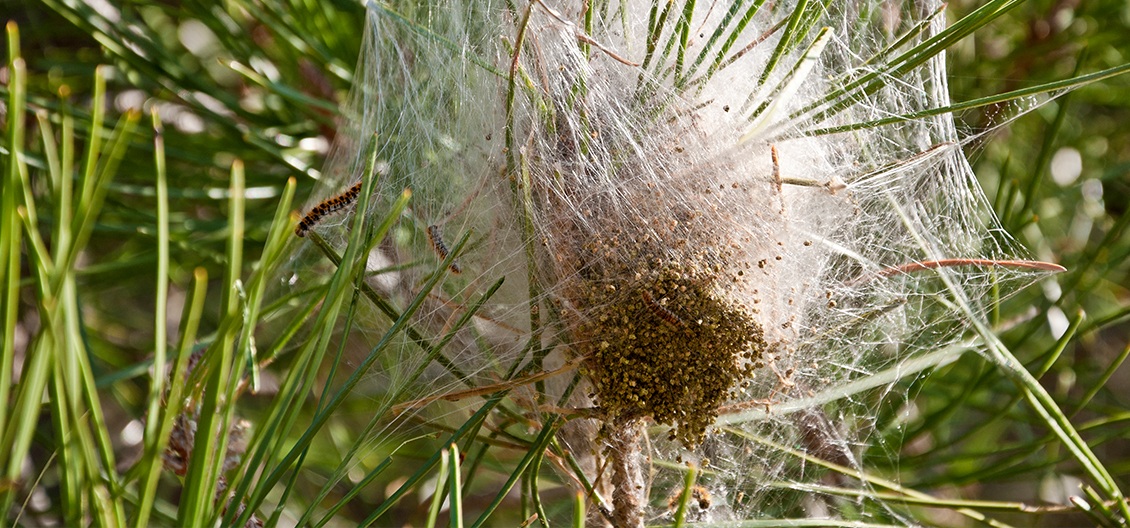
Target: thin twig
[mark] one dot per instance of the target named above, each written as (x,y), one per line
(488,389)
(955,262)
(581,36)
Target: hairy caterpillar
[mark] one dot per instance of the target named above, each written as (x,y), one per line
(329,206)
(660,310)
(441,248)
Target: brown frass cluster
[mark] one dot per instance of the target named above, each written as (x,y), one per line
(664,339)
(654,256)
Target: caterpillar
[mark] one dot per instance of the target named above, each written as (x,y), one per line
(667,315)
(698,493)
(329,206)
(441,248)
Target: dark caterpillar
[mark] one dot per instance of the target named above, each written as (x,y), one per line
(660,310)
(329,206)
(441,248)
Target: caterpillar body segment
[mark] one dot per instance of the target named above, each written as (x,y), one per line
(440,248)
(667,315)
(328,206)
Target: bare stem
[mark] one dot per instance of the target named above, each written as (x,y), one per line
(950,263)
(629,495)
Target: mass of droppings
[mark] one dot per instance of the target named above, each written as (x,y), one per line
(664,334)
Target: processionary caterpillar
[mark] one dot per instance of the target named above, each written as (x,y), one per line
(660,310)
(329,206)
(441,248)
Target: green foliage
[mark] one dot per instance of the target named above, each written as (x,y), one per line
(110,231)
